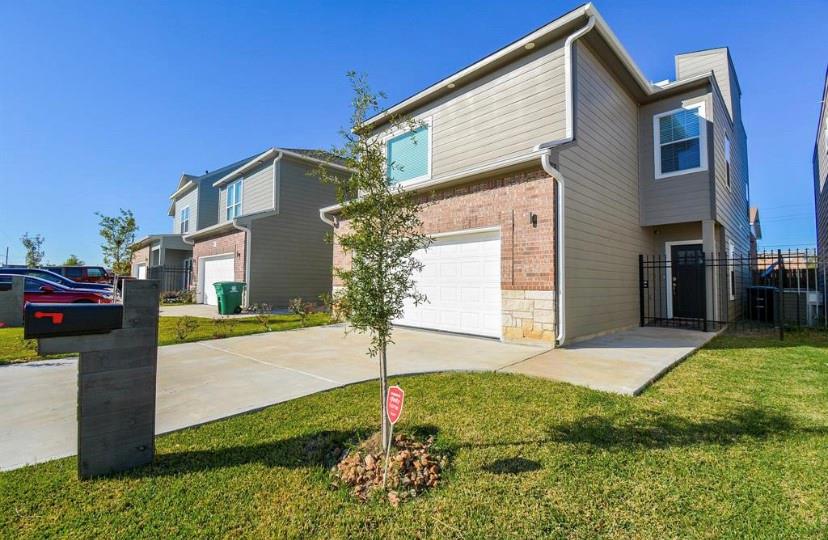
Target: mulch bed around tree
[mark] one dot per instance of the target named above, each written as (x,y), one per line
(412,469)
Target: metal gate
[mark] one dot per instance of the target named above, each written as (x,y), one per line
(688,288)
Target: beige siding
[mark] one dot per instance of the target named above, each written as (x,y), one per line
(717,61)
(289,256)
(731,207)
(207,206)
(675,199)
(603,232)
(820,166)
(503,115)
(257,192)
(189,199)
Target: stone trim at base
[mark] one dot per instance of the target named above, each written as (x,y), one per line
(529,316)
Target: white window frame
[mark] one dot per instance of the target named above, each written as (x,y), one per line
(429,144)
(731,270)
(181,221)
(702,141)
(238,203)
(728,163)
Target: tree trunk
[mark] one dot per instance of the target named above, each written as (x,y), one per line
(383,393)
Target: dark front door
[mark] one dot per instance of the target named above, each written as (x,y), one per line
(687,266)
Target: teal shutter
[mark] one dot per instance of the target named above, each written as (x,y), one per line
(407,155)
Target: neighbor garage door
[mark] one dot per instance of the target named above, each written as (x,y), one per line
(215,269)
(461,278)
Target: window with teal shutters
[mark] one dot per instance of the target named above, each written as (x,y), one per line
(408,155)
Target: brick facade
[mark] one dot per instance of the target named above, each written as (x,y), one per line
(233,242)
(527,250)
(140,256)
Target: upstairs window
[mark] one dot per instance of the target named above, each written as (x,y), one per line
(184,221)
(680,140)
(409,156)
(727,160)
(234,199)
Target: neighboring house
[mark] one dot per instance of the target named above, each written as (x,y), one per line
(263,227)
(550,165)
(193,206)
(820,164)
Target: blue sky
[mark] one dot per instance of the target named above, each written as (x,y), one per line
(104,104)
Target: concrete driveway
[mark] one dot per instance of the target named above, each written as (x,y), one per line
(208,380)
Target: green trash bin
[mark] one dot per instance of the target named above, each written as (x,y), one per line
(229,296)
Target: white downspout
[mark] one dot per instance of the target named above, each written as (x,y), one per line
(553,171)
(560,274)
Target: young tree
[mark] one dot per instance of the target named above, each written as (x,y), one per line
(34,249)
(73,260)
(118,233)
(383,232)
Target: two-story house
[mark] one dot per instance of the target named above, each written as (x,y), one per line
(820,166)
(264,228)
(193,206)
(255,220)
(550,165)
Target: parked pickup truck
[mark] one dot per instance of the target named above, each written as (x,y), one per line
(84,274)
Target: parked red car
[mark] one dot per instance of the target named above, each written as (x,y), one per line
(40,291)
(84,274)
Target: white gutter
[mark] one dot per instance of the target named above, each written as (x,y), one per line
(552,170)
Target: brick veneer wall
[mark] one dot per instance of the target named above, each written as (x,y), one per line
(233,242)
(527,251)
(141,256)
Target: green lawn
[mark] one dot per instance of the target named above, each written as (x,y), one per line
(733,443)
(13,348)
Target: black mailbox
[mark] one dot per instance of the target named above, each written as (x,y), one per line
(60,320)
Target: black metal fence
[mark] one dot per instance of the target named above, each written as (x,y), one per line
(172,278)
(771,290)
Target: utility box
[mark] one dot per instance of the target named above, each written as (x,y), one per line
(118,346)
(11,301)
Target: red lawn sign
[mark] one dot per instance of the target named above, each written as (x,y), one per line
(394,403)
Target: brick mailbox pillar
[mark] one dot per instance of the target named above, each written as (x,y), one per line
(118,346)
(11,301)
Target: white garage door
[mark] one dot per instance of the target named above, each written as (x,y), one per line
(142,271)
(215,269)
(461,279)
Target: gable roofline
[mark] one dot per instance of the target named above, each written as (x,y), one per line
(516,49)
(273,153)
(713,50)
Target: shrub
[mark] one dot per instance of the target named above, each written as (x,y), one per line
(262,312)
(336,305)
(185,326)
(302,309)
(223,327)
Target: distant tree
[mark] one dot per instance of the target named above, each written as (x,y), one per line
(383,233)
(73,260)
(34,249)
(118,233)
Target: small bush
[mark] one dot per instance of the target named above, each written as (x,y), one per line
(186,296)
(185,326)
(223,327)
(335,305)
(302,309)
(262,313)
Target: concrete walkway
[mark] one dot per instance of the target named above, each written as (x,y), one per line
(624,362)
(208,380)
